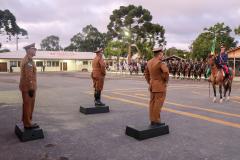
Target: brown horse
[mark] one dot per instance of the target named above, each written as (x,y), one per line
(217,78)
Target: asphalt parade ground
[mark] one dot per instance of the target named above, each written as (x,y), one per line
(199,128)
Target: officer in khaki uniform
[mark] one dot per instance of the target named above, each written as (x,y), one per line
(156,74)
(98,75)
(28,86)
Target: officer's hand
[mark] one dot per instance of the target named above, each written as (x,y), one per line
(31,93)
(91,75)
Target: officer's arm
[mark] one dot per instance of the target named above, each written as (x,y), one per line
(29,75)
(165,71)
(103,66)
(146,74)
(226,60)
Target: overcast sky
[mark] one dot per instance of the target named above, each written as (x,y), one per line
(183,20)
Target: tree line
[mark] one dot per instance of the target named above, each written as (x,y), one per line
(130,30)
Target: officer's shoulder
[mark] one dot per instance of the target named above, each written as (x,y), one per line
(162,64)
(24,61)
(149,61)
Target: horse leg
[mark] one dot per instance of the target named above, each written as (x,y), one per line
(214,91)
(229,90)
(225,87)
(220,92)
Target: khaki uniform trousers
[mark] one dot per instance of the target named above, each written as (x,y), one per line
(28,107)
(155,105)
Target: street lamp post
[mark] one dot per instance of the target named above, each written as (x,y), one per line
(17,43)
(17,39)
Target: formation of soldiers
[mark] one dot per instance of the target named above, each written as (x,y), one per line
(134,67)
(137,67)
(188,69)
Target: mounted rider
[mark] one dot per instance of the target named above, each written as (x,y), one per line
(222,61)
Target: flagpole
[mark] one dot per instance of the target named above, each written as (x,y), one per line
(212,53)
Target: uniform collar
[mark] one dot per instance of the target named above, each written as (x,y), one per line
(29,57)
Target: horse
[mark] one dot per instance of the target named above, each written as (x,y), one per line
(190,70)
(174,69)
(202,67)
(184,67)
(187,70)
(217,78)
(195,71)
(178,69)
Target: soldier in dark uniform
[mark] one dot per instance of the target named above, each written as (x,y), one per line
(98,75)
(28,86)
(156,75)
(222,61)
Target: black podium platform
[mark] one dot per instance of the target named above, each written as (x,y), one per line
(28,134)
(94,110)
(145,132)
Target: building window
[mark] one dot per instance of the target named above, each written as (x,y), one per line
(85,62)
(19,63)
(48,63)
(39,63)
(55,63)
(14,63)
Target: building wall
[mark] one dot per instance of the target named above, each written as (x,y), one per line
(2,62)
(51,65)
(237,65)
(235,54)
(83,65)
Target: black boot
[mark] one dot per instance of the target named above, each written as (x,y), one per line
(102,104)
(95,96)
(98,101)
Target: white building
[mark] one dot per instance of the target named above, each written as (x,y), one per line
(49,60)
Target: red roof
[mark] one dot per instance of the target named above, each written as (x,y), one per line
(233,49)
(234,52)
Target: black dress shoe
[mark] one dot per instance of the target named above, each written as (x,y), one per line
(102,104)
(33,126)
(99,103)
(154,124)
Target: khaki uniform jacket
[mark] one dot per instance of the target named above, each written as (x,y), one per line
(99,67)
(157,75)
(28,79)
